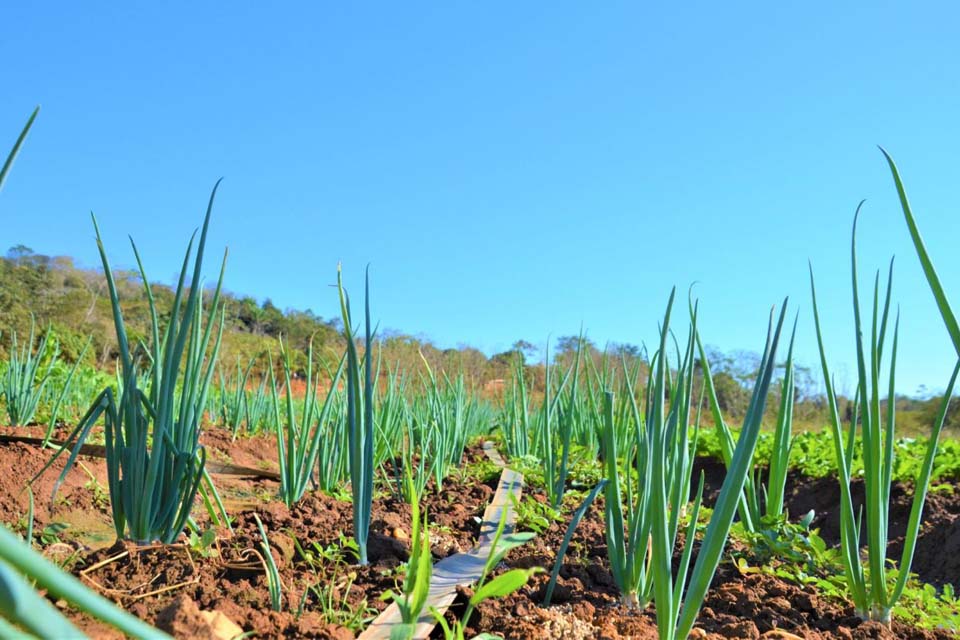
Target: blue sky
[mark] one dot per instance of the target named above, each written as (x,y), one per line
(510,170)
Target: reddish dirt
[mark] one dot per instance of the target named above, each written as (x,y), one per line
(77,503)
(586,600)
(233,581)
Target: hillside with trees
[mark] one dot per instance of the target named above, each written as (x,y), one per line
(73,302)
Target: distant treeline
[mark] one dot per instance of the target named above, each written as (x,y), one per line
(74,302)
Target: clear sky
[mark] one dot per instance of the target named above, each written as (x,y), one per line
(510,170)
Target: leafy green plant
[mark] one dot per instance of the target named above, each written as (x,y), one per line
(204,544)
(922,606)
(416,584)
(498,587)
(535,516)
(335,604)
(868,588)
(793,546)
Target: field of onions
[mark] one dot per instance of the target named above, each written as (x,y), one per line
(612,498)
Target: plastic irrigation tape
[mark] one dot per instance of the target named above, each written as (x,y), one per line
(99,451)
(461,569)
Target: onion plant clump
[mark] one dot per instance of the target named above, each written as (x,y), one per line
(565,409)
(24,380)
(274,586)
(234,406)
(298,441)
(566,418)
(442,420)
(155,463)
(658,454)
(65,386)
(872,597)
(394,426)
(684,599)
(359,414)
(516,414)
(258,414)
(638,437)
(332,456)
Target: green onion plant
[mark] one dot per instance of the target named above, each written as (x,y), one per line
(154,460)
(565,408)
(298,441)
(24,613)
(274,586)
(233,401)
(442,421)
(25,380)
(360,426)
(632,431)
(872,597)
(568,536)
(61,394)
(516,414)
(678,601)
(643,520)
(259,416)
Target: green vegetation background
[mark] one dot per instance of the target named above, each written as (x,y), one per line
(74,302)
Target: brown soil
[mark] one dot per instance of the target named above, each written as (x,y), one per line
(165,584)
(172,587)
(586,603)
(937,556)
